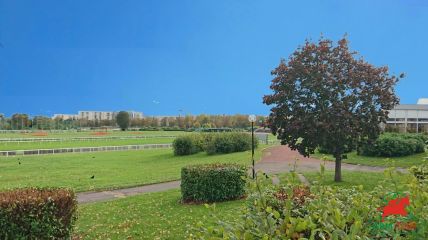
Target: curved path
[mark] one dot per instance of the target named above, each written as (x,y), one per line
(278,159)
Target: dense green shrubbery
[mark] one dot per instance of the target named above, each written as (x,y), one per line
(230,142)
(293,211)
(213,143)
(37,213)
(212,182)
(394,145)
(185,145)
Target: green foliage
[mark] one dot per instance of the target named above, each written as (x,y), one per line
(213,143)
(394,145)
(37,213)
(294,211)
(230,142)
(420,172)
(123,120)
(186,145)
(212,182)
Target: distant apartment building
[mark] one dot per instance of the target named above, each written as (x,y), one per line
(410,117)
(65,116)
(96,115)
(135,115)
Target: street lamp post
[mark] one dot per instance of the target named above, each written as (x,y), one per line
(252,119)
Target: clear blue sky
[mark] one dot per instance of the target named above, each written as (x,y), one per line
(199,56)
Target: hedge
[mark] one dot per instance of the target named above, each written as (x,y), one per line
(230,142)
(213,143)
(394,145)
(35,213)
(212,182)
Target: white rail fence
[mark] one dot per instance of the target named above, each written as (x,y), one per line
(11,153)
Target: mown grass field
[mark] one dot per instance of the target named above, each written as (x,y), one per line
(349,178)
(88,143)
(353,158)
(162,216)
(71,134)
(110,169)
(148,216)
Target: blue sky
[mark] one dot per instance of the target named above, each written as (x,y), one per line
(199,56)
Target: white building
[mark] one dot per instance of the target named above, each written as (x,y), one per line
(410,117)
(96,115)
(65,116)
(135,115)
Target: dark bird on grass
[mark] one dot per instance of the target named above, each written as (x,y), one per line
(19,163)
(93,176)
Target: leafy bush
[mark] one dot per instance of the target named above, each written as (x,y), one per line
(185,145)
(230,142)
(293,211)
(394,145)
(33,213)
(213,143)
(212,182)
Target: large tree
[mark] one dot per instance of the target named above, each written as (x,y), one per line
(123,120)
(326,95)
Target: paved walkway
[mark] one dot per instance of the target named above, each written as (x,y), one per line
(88,197)
(281,159)
(278,159)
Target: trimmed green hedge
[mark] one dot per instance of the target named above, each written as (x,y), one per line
(212,182)
(34,213)
(185,145)
(213,143)
(230,142)
(394,145)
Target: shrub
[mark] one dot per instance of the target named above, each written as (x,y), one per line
(184,145)
(213,143)
(394,145)
(230,142)
(33,213)
(212,182)
(292,211)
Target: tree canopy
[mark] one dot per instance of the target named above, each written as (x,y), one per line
(326,95)
(123,120)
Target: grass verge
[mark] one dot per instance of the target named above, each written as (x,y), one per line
(148,216)
(353,158)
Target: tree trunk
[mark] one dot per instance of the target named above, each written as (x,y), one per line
(338,169)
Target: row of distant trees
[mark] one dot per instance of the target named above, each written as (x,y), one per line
(22,121)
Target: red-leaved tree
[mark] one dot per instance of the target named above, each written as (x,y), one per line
(325,95)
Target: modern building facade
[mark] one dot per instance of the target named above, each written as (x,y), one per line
(409,117)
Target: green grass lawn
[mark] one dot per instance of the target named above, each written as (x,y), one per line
(162,216)
(353,158)
(368,180)
(91,143)
(148,216)
(111,169)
